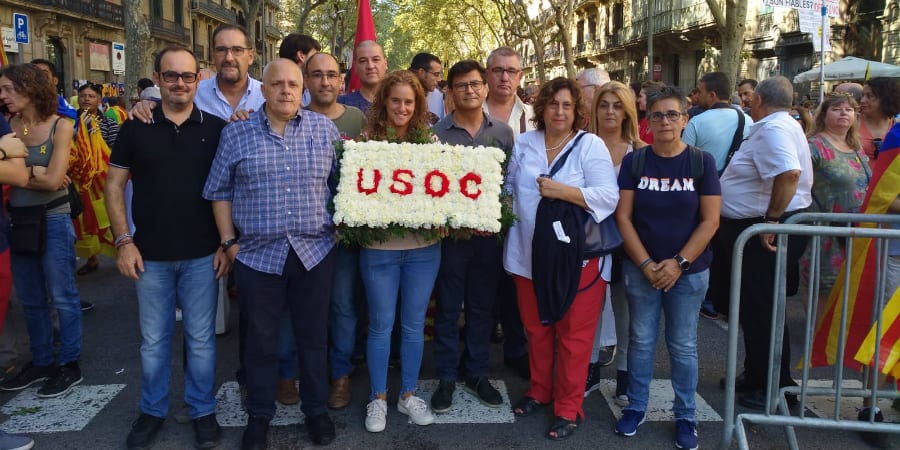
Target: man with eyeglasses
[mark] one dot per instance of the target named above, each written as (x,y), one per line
(323,76)
(502,103)
(470,269)
(232,93)
(371,67)
(768,180)
(173,262)
(428,70)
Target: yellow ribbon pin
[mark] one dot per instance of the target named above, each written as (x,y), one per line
(43,149)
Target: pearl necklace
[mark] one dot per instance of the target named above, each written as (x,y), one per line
(560,143)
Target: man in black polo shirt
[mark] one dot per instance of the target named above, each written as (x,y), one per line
(470,269)
(174,256)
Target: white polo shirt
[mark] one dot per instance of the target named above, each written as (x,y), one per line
(776,144)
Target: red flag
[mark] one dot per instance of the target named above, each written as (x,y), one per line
(365,31)
(884,187)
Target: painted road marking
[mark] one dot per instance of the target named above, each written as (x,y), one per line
(466,408)
(659,404)
(230,412)
(71,412)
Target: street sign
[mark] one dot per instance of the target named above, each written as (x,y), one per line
(9,40)
(118,58)
(20,24)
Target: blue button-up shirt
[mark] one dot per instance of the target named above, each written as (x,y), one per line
(279,188)
(210,99)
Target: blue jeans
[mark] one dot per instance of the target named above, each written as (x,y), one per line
(343,312)
(412,274)
(190,284)
(680,305)
(54,273)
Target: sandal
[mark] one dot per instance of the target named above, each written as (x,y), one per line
(92,264)
(527,406)
(562,428)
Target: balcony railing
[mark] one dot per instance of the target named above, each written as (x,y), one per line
(763,25)
(99,9)
(210,9)
(200,52)
(168,30)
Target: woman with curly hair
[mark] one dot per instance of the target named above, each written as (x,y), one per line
(879,104)
(45,269)
(407,265)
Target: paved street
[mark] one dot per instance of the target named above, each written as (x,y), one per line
(98,414)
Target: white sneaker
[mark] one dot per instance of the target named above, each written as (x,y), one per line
(376,415)
(417,410)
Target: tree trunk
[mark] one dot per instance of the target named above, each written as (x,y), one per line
(137,43)
(564,14)
(251,13)
(731,25)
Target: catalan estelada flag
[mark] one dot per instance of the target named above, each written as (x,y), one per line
(884,187)
(4,61)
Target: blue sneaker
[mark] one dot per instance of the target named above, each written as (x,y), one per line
(686,434)
(629,423)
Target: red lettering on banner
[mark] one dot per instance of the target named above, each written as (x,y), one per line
(464,185)
(406,187)
(445,184)
(376,180)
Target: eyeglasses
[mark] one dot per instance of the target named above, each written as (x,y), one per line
(172,77)
(319,75)
(671,115)
(511,71)
(236,50)
(464,86)
(436,74)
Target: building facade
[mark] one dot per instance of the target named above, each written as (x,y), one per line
(614,35)
(77,35)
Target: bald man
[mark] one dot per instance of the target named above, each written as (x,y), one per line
(371,67)
(284,259)
(854,89)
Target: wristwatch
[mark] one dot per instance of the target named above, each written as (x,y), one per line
(227,244)
(682,263)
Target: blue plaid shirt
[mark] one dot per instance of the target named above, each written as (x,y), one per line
(279,188)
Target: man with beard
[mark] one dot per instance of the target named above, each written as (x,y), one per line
(173,262)
(371,67)
(323,79)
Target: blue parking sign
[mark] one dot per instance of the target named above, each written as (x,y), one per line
(20,24)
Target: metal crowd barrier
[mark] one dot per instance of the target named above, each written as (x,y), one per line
(777,412)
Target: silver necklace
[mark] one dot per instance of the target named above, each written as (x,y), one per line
(560,143)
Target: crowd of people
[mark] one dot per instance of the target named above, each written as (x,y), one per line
(679,178)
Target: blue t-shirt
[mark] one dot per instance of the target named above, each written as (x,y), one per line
(4,221)
(667,202)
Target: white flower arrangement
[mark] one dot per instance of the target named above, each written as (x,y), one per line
(419,186)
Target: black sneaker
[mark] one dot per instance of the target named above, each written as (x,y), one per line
(206,431)
(874,438)
(67,377)
(481,388)
(320,428)
(442,398)
(606,355)
(143,431)
(30,374)
(593,379)
(87,306)
(256,435)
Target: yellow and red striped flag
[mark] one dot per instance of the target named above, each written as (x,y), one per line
(4,61)
(884,188)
